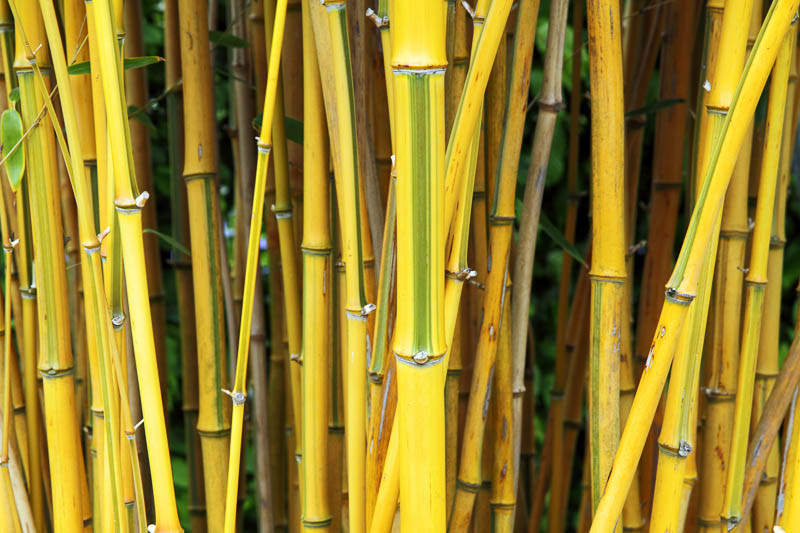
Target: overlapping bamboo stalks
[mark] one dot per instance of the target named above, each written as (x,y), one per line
(447,379)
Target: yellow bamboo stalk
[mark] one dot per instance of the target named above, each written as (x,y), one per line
(128,205)
(763,517)
(608,271)
(264,149)
(56,361)
(756,280)
(418,64)
(317,270)
(330,29)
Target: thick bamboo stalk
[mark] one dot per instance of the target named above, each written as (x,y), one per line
(317,269)
(608,271)
(682,285)
(756,280)
(55,361)
(182,265)
(418,62)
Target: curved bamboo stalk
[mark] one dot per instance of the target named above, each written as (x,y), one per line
(316,306)
(683,283)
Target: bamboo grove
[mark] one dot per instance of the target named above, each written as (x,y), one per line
(417,266)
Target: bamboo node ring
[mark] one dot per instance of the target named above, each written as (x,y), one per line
(238,398)
(421,357)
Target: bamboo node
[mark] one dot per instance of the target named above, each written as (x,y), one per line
(238,398)
(684,449)
(421,357)
(380,22)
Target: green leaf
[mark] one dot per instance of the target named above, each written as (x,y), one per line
(294,128)
(129,63)
(141,115)
(652,108)
(171,243)
(14,95)
(11,133)
(558,237)
(223,38)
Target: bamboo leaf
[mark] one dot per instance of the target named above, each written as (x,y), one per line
(130,63)
(169,241)
(11,133)
(652,108)
(223,38)
(558,237)
(141,115)
(294,128)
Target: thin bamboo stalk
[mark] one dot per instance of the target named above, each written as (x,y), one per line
(767,363)
(683,284)
(264,149)
(502,498)
(277,354)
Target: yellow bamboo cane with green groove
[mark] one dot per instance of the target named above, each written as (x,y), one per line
(418,64)
(683,284)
